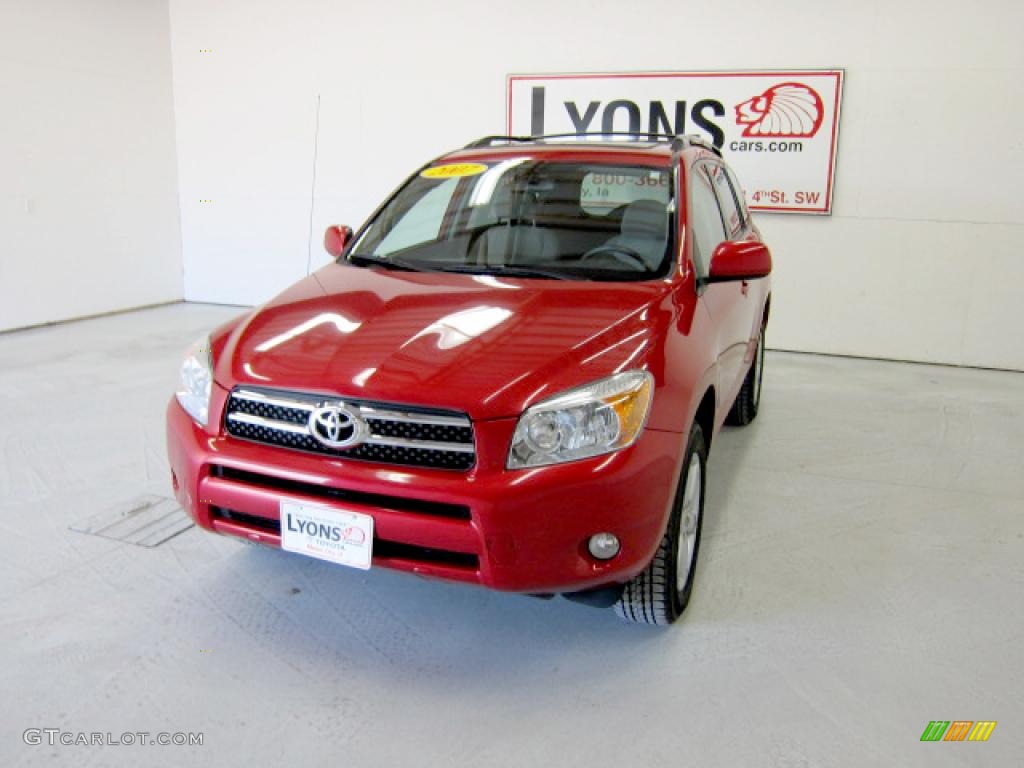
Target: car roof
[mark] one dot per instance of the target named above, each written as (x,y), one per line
(644,149)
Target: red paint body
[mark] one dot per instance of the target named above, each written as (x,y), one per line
(371,334)
(740,261)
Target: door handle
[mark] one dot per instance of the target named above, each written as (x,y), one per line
(744,287)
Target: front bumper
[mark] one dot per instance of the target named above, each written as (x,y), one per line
(520,530)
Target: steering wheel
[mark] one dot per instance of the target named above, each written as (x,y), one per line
(621,253)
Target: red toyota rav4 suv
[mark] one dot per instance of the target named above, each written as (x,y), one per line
(511,376)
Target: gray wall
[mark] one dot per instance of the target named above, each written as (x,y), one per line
(88,179)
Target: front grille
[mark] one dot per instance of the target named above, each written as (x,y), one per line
(386,501)
(382,548)
(419,437)
(264,524)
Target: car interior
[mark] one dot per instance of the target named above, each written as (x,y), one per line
(547,224)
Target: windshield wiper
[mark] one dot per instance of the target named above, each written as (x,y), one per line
(389,263)
(507,270)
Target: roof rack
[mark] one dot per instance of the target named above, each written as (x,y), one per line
(678,141)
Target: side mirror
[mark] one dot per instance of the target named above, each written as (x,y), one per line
(739,260)
(336,238)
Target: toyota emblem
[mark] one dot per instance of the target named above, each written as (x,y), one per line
(335,426)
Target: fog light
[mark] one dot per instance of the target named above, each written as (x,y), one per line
(603,546)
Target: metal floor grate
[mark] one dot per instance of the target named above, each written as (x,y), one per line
(146,521)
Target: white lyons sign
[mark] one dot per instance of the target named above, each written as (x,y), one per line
(777,129)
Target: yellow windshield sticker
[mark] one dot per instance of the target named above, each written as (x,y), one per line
(453,170)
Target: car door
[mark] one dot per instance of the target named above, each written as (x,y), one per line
(725,301)
(737,223)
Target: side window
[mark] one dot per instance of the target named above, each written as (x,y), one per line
(422,222)
(705,219)
(740,195)
(727,200)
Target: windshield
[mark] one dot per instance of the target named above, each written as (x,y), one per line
(526,217)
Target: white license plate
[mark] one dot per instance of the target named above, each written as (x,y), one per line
(328,534)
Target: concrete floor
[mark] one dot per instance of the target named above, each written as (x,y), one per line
(861,574)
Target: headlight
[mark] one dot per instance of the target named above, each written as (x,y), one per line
(601,417)
(196,381)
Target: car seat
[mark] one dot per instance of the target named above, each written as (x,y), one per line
(520,243)
(644,230)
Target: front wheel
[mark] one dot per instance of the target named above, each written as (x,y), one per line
(660,593)
(749,398)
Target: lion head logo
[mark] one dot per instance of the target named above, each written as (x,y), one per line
(787,109)
(353,535)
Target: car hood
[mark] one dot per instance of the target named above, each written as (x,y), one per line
(483,345)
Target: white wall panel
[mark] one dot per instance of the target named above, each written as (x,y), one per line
(88,190)
(918,261)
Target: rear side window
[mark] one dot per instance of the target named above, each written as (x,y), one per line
(731,213)
(741,196)
(705,219)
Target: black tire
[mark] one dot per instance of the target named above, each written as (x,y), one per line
(654,596)
(744,409)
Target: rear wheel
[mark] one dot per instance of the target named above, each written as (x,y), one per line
(744,410)
(660,593)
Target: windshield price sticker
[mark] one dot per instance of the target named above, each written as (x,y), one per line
(453,170)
